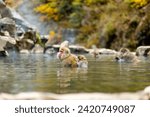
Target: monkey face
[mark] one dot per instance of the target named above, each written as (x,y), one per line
(82,61)
(124,50)
(82,58)
(121,56)
(125,55)
(67,59)
(63,53)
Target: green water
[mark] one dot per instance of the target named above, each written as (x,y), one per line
(43,73)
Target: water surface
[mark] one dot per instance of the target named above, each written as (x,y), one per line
(44,73)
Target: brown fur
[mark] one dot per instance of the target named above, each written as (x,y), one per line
(82,61)
(125,55)
(67,59)
(71,60)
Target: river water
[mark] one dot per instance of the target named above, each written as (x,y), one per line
(44,73)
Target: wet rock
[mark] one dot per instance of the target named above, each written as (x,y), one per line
(96,52)
(3,53)
(44,38)
(107,51)
(78,49)
(4,11)
(73,48)
(17,27)
(24,44)
(4,38)
(143,51)
(147,93)
(49,51)
(7,24)
(37,49)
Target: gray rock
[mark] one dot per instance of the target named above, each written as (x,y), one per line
(4,38)
(7,24)
(142,50)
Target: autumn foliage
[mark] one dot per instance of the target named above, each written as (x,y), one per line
(104,23)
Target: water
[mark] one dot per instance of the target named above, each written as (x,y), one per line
(43,73)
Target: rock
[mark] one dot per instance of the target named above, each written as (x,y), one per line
(4,38)
(73,48)
(107,51)
(95,52)
(7,24)
(37,49)
(141,50)
(24,45)
(78,49)
(24,51)
(44,38)
(147,93)
(3,53)
(4,11)
(49,50)
(17,26)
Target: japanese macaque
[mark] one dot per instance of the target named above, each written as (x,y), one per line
(67,59)
(70,60)
(82,61)
(125,55)
(4,38)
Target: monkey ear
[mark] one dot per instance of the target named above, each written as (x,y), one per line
(68,51)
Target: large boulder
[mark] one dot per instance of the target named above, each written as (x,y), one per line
(17,27)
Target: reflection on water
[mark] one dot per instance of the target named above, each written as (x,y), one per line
(43,73)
